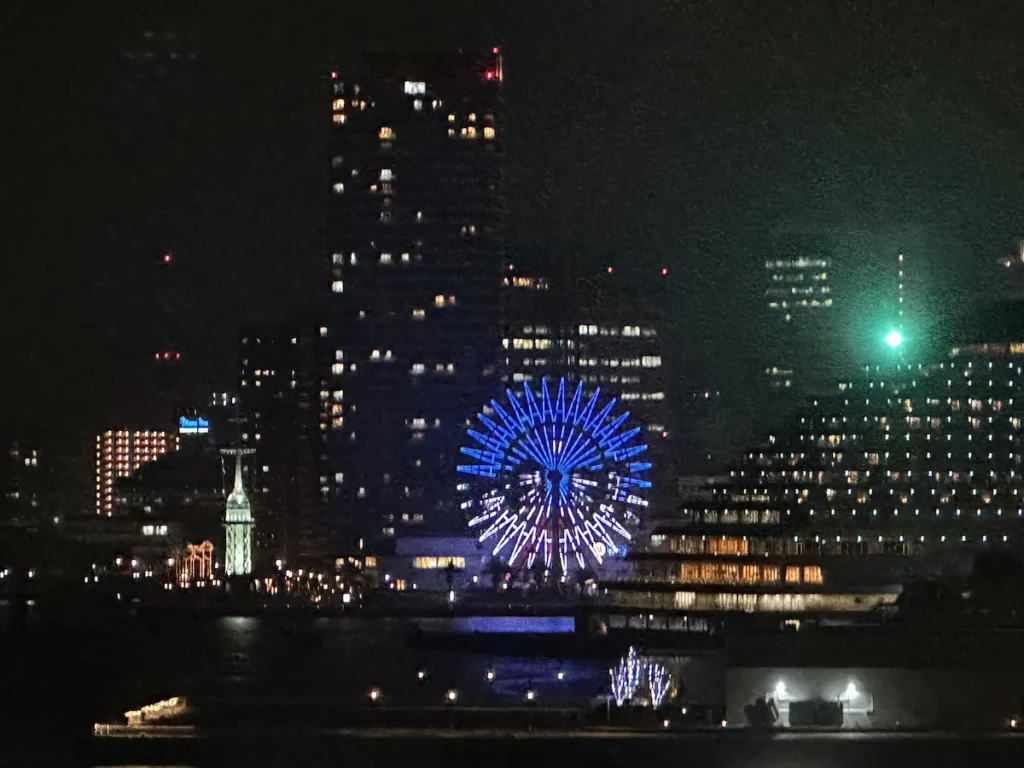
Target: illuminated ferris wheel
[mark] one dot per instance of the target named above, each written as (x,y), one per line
(554,473)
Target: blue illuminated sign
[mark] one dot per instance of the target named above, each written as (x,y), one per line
(196,426)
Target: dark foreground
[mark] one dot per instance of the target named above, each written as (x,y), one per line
(480,748)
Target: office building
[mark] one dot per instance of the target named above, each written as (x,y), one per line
(831,297)
(24,482)
(416,263)
(121,452)
(533,338)
(801,315)
(284,411)
(592,328)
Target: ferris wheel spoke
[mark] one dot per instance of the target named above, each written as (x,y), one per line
(523,539)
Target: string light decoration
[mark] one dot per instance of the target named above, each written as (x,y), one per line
(659,682)
(625,678)
(554,473)
(635,676)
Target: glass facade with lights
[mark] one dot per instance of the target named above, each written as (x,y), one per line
(416,259)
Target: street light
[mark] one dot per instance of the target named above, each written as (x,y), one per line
(894,338)
(374,695)
(450,697)
(531,700)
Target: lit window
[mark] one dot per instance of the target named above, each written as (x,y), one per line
(415,88)
(418,314)
(472,117)
(386,175)
(438,562)
(339,188)
(405,258)
(451,118)
(419,215)
(337,258)
(417,105)
(488,133)
(339,118)
(338,395)
(650,361)
(375,355)
(385,258)
(352,258)
(439,301)
(338,286)
(386,133)
(451,300)
(418,368)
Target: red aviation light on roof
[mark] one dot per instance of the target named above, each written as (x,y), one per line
(489,74)
(168,258)
(664,270)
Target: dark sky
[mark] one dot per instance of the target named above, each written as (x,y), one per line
(676,133)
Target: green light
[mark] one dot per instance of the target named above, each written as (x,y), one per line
(894,338)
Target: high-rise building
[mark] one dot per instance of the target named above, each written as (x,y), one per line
(24,486)
(591,328)
(618,342)
(799,300)
(832,295)
(121,452)
(417,254)
(284,408)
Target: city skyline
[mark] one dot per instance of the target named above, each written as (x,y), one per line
(133,203)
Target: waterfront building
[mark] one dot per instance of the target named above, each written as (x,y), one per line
(902,474)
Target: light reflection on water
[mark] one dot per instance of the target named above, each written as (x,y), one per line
(340,659)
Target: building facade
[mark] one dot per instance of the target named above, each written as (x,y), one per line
(284,412)
(903,474)
(799,300)
(608,329)
(24,482)
(416,262)
(121,452)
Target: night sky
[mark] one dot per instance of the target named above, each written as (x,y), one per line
(665,133)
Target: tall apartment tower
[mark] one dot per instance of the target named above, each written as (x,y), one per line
(416,263)
(283,404)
